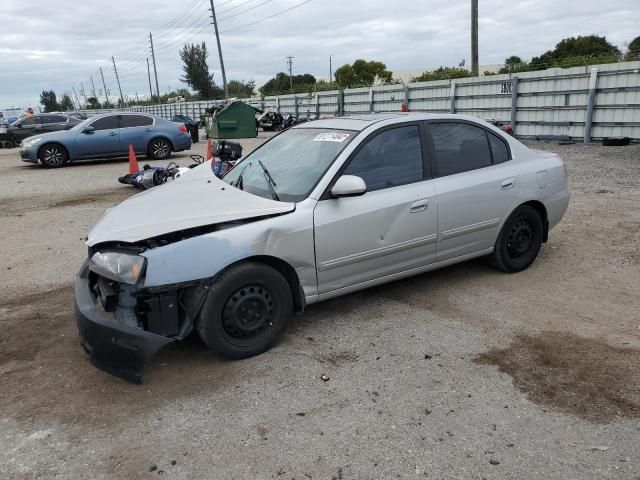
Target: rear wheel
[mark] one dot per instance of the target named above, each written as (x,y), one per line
(519,241)
(53,155)
(159,149)
(245,311)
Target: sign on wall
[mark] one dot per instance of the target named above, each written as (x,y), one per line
(506,88)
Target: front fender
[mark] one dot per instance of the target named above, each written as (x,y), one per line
(288,237)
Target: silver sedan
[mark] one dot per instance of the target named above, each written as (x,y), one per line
(321,210)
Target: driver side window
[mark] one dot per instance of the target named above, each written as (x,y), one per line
(390,159)
(106,123)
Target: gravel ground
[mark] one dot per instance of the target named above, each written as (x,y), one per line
(461,373)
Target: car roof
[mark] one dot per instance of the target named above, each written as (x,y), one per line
(110,114)
(362,121)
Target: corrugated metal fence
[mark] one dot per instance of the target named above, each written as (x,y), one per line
(583,102)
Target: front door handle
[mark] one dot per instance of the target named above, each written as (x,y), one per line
(419,206)
(507,184)
(113,134)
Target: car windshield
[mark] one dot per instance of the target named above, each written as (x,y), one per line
(289,166)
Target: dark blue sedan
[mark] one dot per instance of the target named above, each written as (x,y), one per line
(108,136)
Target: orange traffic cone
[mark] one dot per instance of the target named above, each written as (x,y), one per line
(133,163)
(209,150)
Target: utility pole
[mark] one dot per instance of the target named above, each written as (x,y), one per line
(215,27)
(330,69)
(474,38)
(106,93)
(84,94)
(149,74)
(290,64)
(155,70)
(93,88)
(117,79)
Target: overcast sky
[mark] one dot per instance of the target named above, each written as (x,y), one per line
(59,44)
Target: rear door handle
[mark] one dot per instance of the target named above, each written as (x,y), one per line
(507,184)
(419,205)
(113,134)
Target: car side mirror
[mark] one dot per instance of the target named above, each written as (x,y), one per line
(89,129)
(349,186)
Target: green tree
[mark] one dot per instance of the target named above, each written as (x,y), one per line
(92,102)
(240,88)
(49,101)
(575,51)
(66,103)
(281,84)
(196,71)
(443,73)
(633,50)
(362,73)
(514,64)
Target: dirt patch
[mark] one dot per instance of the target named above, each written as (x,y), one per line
(580,376)
(20,206)
(30,322)
(43,369)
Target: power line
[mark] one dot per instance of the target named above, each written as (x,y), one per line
(244,11)
(233,8)
(266,18)
(178,20)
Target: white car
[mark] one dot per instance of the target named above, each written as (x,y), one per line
(321,210)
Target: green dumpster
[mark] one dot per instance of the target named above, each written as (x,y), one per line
(236,120)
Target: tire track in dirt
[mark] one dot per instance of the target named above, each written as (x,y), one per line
(18,206)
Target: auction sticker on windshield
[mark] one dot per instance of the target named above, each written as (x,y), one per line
(331,137)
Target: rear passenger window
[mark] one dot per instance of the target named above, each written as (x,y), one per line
(459,147)
(498,149)
(391,158)
(106,123)
(54,119)
(127,121)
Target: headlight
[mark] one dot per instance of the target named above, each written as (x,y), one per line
(121,267)
(30,142)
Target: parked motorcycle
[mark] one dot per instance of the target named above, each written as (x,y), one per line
(152,176)
(225,155)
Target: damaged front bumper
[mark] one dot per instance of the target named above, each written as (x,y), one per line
(113,347)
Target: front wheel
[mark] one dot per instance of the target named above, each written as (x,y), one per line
(519,241)
(159,149)
(53,156)
(245,311)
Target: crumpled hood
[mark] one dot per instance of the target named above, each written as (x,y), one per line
(196,199)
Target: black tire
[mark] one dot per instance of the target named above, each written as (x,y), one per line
(245,311)
(159,149)
(53,155)
(519,240)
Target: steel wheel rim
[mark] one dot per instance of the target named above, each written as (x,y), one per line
(520,239)
(160,149)
(248,315)
(53,156)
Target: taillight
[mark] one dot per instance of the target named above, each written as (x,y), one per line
(183,128)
